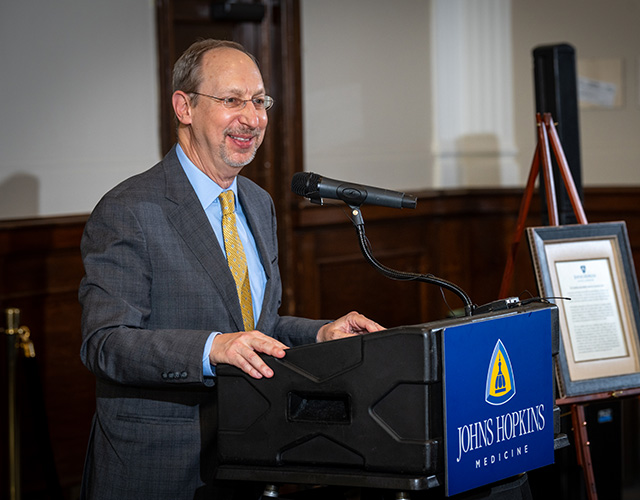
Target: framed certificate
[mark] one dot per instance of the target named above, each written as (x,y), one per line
(588,271)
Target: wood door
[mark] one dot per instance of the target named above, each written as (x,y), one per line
(275,42)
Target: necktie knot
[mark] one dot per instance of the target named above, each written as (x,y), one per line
(227,202)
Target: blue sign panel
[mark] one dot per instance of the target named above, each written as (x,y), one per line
(498,385)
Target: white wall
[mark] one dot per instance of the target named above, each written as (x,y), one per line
(355,52)
(80,93)
(80,102)
(610,138)
(367,97)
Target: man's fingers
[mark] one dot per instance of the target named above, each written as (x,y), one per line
(253,365)
(249,362)
(240,349)
(270,346)
(358,323)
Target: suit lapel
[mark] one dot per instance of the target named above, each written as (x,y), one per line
(191,223)
(257,222)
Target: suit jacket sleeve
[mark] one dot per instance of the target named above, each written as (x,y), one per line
(122,338)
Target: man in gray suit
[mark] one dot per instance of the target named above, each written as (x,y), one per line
(160,306)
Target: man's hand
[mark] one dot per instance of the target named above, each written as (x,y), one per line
(240,348)
(347,326)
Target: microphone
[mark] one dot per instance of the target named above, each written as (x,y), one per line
(316,187)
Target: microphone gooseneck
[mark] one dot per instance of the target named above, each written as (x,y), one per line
(404,276)
(315,188)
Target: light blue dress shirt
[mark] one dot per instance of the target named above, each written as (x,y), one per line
(207,192)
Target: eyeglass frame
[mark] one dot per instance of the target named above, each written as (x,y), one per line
(267,104)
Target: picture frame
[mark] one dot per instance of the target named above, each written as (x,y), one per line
(587,270)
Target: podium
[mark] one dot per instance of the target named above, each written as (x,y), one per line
(409,408)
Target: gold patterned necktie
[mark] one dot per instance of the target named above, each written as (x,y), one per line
(236,258)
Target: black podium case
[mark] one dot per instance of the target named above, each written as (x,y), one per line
(365,411)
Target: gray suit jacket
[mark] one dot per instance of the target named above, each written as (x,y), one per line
(156,285)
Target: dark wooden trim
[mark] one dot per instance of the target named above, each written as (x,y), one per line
(40,270)
(292,157)
(166,59)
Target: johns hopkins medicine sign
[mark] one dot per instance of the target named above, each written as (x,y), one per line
(498,385)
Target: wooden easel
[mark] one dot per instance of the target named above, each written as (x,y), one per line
(546,131)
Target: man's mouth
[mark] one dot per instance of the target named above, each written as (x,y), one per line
(242,140)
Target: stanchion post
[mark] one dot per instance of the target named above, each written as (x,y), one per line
(13,428)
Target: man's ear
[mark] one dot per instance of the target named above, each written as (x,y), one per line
(181,107)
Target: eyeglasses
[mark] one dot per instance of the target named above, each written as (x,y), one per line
(260,103)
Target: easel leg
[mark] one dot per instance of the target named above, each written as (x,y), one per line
(547,173)
(546,132)
(563,165)
(541,155)
(583,452)
(522,217)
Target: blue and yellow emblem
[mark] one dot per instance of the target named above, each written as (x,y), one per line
(501,385)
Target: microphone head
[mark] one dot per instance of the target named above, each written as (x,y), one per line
(316,188)
(409,201)
(305,183)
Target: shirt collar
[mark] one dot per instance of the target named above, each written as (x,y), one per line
(206,189)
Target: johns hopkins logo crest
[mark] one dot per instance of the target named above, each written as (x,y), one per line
(501,386)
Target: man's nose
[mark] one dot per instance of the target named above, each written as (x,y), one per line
(250,116)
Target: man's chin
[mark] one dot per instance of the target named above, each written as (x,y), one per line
(240,160)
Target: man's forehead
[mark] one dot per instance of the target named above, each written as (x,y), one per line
(228,58)
(230,67)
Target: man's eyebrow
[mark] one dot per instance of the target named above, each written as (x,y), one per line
(239,93)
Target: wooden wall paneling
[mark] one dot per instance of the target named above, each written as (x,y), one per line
(286,63)
(459,236)
(166,58)
(347,281)
(305,301)
(615,204)
(453,254)
(362,287)
(40,269)
(462,237)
